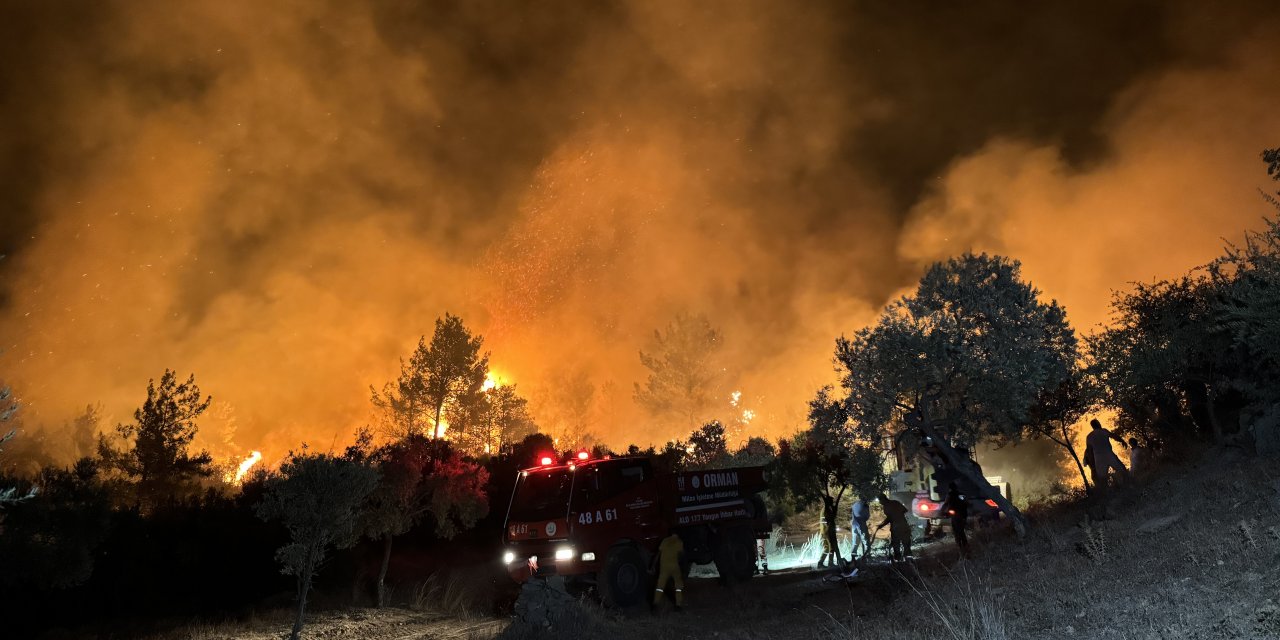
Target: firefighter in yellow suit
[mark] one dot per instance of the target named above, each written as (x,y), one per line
(669,552)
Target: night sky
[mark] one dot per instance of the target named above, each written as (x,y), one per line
(282,197)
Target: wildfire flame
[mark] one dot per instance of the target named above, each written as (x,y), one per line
(491,382)
(244,467)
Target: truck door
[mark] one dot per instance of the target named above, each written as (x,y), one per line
(615,500)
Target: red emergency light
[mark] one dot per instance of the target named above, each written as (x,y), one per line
(925,506)
(583,455)
(547,460)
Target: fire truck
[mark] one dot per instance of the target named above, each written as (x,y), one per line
(598,522)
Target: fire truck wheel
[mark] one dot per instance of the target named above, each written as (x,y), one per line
(736,554)
(624,582)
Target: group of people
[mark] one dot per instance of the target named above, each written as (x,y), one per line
(895,517)
(1102,461)
(1098,456)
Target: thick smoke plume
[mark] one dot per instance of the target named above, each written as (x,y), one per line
(282,197)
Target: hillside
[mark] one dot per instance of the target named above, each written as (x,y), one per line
(1191,552)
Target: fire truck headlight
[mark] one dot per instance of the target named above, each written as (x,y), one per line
(588,557)
(508,557)
(564,553)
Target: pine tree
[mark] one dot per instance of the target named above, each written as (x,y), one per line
(156,457)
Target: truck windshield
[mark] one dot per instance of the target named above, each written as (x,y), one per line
(541,495)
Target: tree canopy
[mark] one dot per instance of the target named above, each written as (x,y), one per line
(319,499)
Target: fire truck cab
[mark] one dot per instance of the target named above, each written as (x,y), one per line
(599,521)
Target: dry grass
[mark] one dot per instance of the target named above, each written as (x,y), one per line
(446,596)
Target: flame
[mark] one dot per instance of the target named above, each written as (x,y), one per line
(244,467)
(491,381)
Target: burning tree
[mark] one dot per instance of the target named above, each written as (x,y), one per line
(965,358)
(439,384)
(419,478)
(159,460)
(319,499)
(685,378)
(454,370)
(822,463)
(501,417)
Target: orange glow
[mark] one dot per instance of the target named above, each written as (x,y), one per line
(288,239)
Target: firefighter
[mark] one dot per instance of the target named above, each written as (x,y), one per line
(895,515)
(669,552)
(861,538)
(827,533)
(1100,458)
(822,542)
(957,507)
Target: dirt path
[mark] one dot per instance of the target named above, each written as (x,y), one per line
(359,624)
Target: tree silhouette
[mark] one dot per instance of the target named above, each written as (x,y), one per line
(685,376)
(419,478)
(708,446)
(438,386)
(453,370)
(822,463)
(1058,412)
(1272,158)
(1166,341)
(319,499)
(158,460)
(499,418)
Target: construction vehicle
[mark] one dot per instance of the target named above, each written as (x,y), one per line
(920,479)
(598,522)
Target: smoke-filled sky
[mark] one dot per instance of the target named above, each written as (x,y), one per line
(281,197)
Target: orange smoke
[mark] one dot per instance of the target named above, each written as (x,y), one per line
(283,198)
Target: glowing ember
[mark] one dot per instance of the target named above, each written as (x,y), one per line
(244,467)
